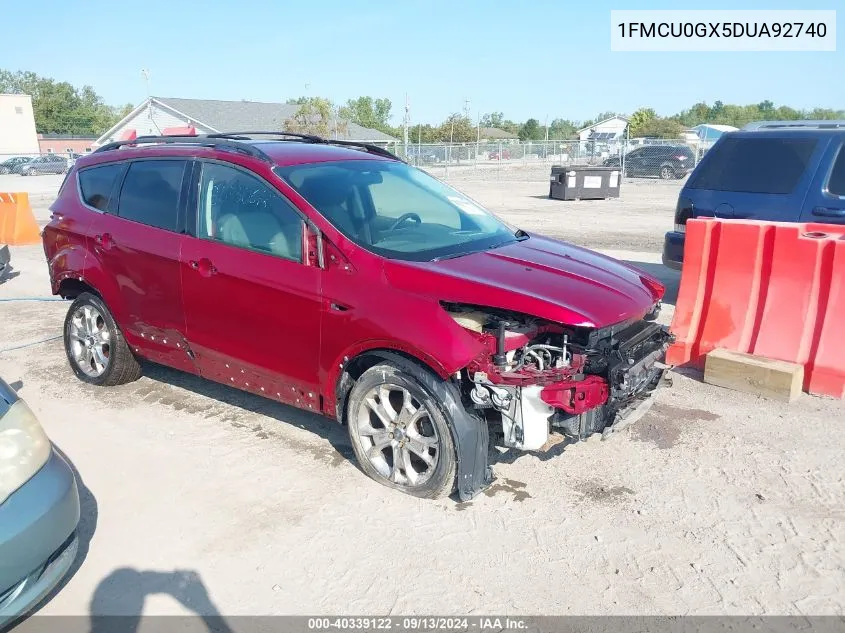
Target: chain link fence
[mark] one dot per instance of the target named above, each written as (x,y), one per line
(446,158)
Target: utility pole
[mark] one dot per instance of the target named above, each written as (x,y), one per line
(546,144)
(466,108)
(405,122)
(477,138)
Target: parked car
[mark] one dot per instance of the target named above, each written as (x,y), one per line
(500,155)
(338,279)
(656,161)
(789,172)
(46,164)
(14,165)
(39,510)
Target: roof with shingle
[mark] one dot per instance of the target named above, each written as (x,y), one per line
(494,132)
(234,116)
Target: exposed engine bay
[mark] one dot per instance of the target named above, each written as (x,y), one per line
(535,375)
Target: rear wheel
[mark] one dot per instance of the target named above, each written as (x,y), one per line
(667,172)
(401,436)
(95,347)
(28,172)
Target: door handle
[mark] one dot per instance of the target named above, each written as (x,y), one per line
(829,212)
(203,266)
(338,307)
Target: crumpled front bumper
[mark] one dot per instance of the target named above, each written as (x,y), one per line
(638,407)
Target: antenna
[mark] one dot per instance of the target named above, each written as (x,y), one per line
(146,75)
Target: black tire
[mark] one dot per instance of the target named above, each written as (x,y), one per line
(4,170)
(442,480)
(667,172)
(122,366)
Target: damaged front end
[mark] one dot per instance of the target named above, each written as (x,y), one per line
(534,375)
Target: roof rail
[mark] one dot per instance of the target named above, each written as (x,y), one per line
(795,125)
(308,138)
(203,140)
(247,136)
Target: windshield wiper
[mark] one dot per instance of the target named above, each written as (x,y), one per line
(479,250)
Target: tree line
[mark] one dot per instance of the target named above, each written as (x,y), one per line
(62,108)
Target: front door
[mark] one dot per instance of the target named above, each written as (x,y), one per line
(252,301)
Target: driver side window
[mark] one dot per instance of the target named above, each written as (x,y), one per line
(239,209)
(392,198)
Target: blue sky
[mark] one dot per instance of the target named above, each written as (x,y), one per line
(534,58)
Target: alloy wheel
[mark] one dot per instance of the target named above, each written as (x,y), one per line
(397,435)
(90,341)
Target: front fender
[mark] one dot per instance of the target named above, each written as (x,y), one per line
(469,433)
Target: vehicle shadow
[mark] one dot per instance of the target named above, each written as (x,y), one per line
(118,601)
(325,428)
(667,276)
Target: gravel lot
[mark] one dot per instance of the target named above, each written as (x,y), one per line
(715,503)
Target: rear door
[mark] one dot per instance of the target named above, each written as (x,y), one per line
(138,243)
(826,200)
(252,298)
(756,175)
(651,158)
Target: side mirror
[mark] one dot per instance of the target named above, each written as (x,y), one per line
(323,254)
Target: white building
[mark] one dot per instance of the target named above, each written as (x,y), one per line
(711,131)
(607,131)
(17,126)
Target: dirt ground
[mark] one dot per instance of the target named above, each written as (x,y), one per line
(716,502)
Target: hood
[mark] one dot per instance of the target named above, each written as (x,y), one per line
(538,276)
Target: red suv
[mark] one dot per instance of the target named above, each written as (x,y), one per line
(332,276)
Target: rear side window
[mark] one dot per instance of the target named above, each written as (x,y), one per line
(97,184)
(150,193)
(755,165)
(836,184)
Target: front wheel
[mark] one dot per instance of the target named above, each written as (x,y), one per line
(400,434)
(667,173)
(95,347)
(28,172)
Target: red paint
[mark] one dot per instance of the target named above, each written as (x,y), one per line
(576,397)
(178,131)
(285,329)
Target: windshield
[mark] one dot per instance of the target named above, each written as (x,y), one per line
(396,210)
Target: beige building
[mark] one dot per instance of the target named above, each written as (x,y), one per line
(17,125)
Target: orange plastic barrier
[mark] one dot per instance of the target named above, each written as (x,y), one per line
(17,224)
(771,289)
